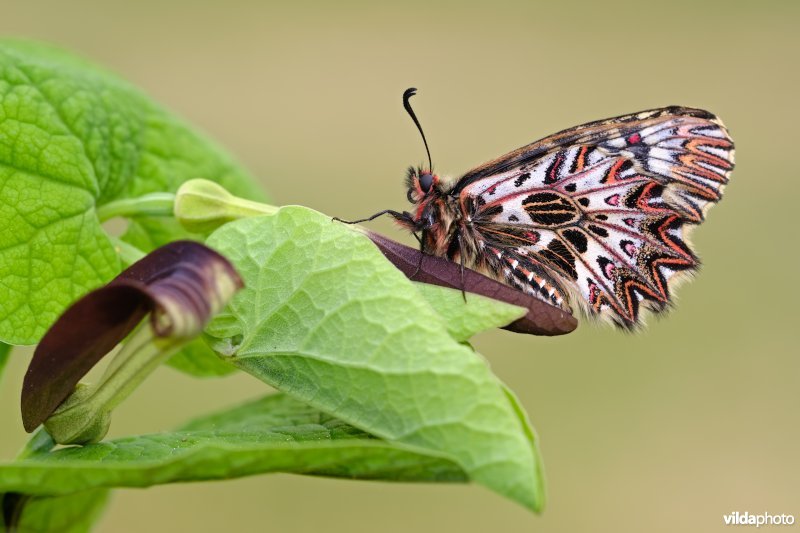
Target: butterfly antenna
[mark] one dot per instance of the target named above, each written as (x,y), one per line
(406,97)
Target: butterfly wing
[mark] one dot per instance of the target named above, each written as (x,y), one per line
(603,211)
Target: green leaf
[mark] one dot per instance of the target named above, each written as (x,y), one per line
(464,319)
(72,138)
(197,359)
(75,513)
(274,434)
(324,317)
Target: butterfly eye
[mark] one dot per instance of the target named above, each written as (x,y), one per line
(425,181)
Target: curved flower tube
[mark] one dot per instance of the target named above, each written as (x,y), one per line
(181,286)
(542,318)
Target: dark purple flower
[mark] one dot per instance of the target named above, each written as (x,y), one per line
(180,285)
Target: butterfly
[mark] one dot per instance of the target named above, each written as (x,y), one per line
(597,216)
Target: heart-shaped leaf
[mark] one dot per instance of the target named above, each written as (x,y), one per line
(327,319)
(74,138)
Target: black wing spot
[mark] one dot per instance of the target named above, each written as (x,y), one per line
(639,151)
(551,174)
(584,202)
(597,230)
(577,239)
(558,255)
(542,198)
(604,263)
(550,209)
(492,211)
(571,187)
(628,247)
(522,179)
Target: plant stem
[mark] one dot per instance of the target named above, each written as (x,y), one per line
(5,350)
(154,204)
(126,251)
(40,442)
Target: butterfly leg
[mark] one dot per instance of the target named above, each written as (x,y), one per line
(421,254)
(456,247)
(463,282)
(461,261)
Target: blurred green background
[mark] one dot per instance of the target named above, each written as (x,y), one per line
(665,430)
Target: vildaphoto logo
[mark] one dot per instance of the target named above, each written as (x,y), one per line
(765,519)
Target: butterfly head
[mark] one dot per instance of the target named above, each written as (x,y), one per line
(422,184)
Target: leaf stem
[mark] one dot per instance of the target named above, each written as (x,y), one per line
(5,350)
(154,204)
(126,251)
(40,442)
